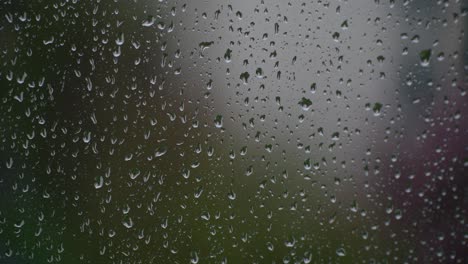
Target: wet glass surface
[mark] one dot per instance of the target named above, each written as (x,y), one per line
(233,131)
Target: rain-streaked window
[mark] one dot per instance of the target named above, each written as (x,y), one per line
(247,131)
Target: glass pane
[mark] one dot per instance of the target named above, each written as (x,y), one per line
(246,131)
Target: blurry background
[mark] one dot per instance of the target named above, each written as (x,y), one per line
(233,132)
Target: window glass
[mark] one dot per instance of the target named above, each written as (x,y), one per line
(248,131)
